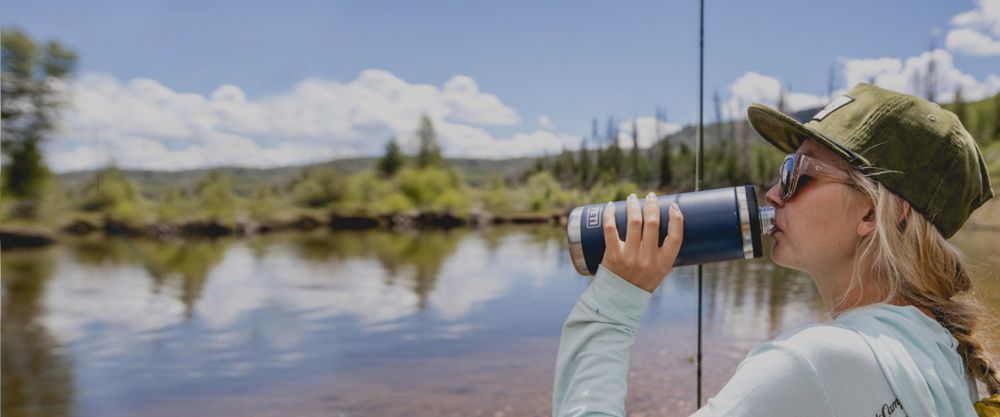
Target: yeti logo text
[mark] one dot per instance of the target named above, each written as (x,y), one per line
(594,216)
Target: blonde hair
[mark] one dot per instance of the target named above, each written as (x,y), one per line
(906,259)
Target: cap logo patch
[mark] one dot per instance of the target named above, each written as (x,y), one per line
(833,106)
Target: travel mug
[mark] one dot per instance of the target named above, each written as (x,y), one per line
(719,225)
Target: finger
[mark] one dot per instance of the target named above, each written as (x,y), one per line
(650,227)
(611,240)
(675,234)
(633,231)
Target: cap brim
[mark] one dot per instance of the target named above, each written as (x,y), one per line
(786,133)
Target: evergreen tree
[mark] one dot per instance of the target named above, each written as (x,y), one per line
(429,154)
(996,116)
(564,167)
(614,158)
(638,173)
(392,161)
(666,176)
(584,164)
(959,106)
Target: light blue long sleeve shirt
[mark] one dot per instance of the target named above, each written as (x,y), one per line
(881,360)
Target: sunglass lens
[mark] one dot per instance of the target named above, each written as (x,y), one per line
(787,168)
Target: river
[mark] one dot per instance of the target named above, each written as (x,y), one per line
(372,323)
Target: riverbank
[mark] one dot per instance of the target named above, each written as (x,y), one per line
(36,235)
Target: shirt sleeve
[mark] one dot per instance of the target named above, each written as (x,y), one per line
(775,379)
(592,364)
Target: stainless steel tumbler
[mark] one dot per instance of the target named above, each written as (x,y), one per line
(719,225)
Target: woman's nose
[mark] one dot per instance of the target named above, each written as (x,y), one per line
(773,196)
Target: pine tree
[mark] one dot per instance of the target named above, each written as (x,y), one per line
(638,173)
(959,105)
(666,175)
(429,154)
(996,116)
(565,166)
(392,161)
(614,157)
(584,164)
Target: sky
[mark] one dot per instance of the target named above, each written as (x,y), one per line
(172,85)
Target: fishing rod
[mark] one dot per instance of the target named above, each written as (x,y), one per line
(699,167)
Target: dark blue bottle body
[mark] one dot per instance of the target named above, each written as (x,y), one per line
(719,225)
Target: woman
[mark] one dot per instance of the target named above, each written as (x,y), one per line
(872,187)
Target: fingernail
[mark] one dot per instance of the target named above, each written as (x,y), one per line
(675,207)
(651,195)
(610,204)
(632,197)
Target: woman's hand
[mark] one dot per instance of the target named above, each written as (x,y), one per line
(639,259)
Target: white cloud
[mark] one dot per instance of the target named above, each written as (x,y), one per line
(647,127)
(141,123)
(972,42)
(469,105)
(753,87)
(520,144)
(868,69)
(985,16)
(904,75)
(545,122)
(969,38)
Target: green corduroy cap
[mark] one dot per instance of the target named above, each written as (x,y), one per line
(919,150)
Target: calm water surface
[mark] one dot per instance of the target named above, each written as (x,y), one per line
(360,324)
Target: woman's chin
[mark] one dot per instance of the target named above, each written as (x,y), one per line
(778,255)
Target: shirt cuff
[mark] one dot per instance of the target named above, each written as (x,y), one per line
(615,298)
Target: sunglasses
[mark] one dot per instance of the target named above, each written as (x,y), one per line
(797,169)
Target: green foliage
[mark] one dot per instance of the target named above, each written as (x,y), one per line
(611,191)
(564,166)
(981,118)
(584,164)
(425,186)
(263,204)
(545,193)
(996,117)
(452,201)
(497,197)
(25,174)
(172,205)
(958,106)
(215,196)
(666,175)
(29,101)
(683,166)
(765,161)
(429,154)
(111,193)
(392,161)
(363,190)
(394,202)
(317,188)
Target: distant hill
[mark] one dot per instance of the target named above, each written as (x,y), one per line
(245,180)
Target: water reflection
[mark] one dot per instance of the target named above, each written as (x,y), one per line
(37,378)
(97,327)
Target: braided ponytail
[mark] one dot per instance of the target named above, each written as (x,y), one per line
(907,259)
